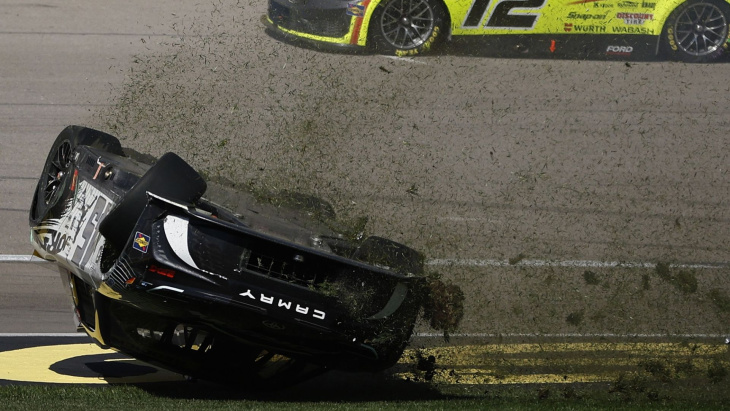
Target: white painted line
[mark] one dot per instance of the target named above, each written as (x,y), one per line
(406,59)
(5,258)
(74,335)
(466,262)
(468,219)
(571,335)
(462,262)
(466,335)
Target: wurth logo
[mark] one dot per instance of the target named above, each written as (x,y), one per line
(568,27)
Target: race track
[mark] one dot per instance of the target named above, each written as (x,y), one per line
(567,198)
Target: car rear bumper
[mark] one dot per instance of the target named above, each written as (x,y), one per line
(301,313)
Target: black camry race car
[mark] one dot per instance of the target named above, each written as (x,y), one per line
(160,273)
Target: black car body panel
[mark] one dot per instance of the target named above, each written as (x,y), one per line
(201,290)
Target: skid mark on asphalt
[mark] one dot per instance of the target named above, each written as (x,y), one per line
(562,362)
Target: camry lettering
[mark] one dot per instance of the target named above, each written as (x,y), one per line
(286,305)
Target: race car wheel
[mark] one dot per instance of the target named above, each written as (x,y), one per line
(407,27)
(697,31)
(57,174)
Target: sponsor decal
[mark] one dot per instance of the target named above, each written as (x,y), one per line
(628,4)
(56,242)
(424,47)
(632,30)
(358,25)
(165,272)
(584,16)
(619,50)
(670,36)
(635,19)
(356,9)
(141,242)
(648,5)
(285,305)
(552,46)
(73,236)
(581,28)
(583,1)
(602,5)
(74,180)
(568,27)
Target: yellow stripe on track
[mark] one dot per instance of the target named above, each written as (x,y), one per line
(34,365)
(467,364)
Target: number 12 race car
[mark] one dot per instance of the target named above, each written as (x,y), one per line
(160,273)
(688,30)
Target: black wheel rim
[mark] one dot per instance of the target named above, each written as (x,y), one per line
(407,24)
(701,29)
(56,171)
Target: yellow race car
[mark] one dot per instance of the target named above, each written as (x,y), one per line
(687,30)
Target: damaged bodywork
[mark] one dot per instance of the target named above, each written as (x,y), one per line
(161,273)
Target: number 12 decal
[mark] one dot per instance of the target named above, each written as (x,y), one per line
(500,16)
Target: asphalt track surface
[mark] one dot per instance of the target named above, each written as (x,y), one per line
(549,190)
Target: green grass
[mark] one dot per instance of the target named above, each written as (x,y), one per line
(203,396)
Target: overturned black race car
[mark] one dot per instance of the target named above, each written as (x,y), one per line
(254,296)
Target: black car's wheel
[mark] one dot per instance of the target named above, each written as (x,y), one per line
(407,27)
(697,31)
(57,169)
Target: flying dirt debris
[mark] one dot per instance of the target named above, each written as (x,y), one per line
(268,294)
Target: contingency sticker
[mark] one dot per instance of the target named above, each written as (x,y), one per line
(141,242)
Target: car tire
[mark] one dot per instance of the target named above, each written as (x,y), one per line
(406,33)
(697,31)
(56,174)
(170,177)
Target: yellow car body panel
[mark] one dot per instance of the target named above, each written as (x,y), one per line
(472,18)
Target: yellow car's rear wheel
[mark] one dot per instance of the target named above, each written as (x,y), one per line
(407,27)
(697,31)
